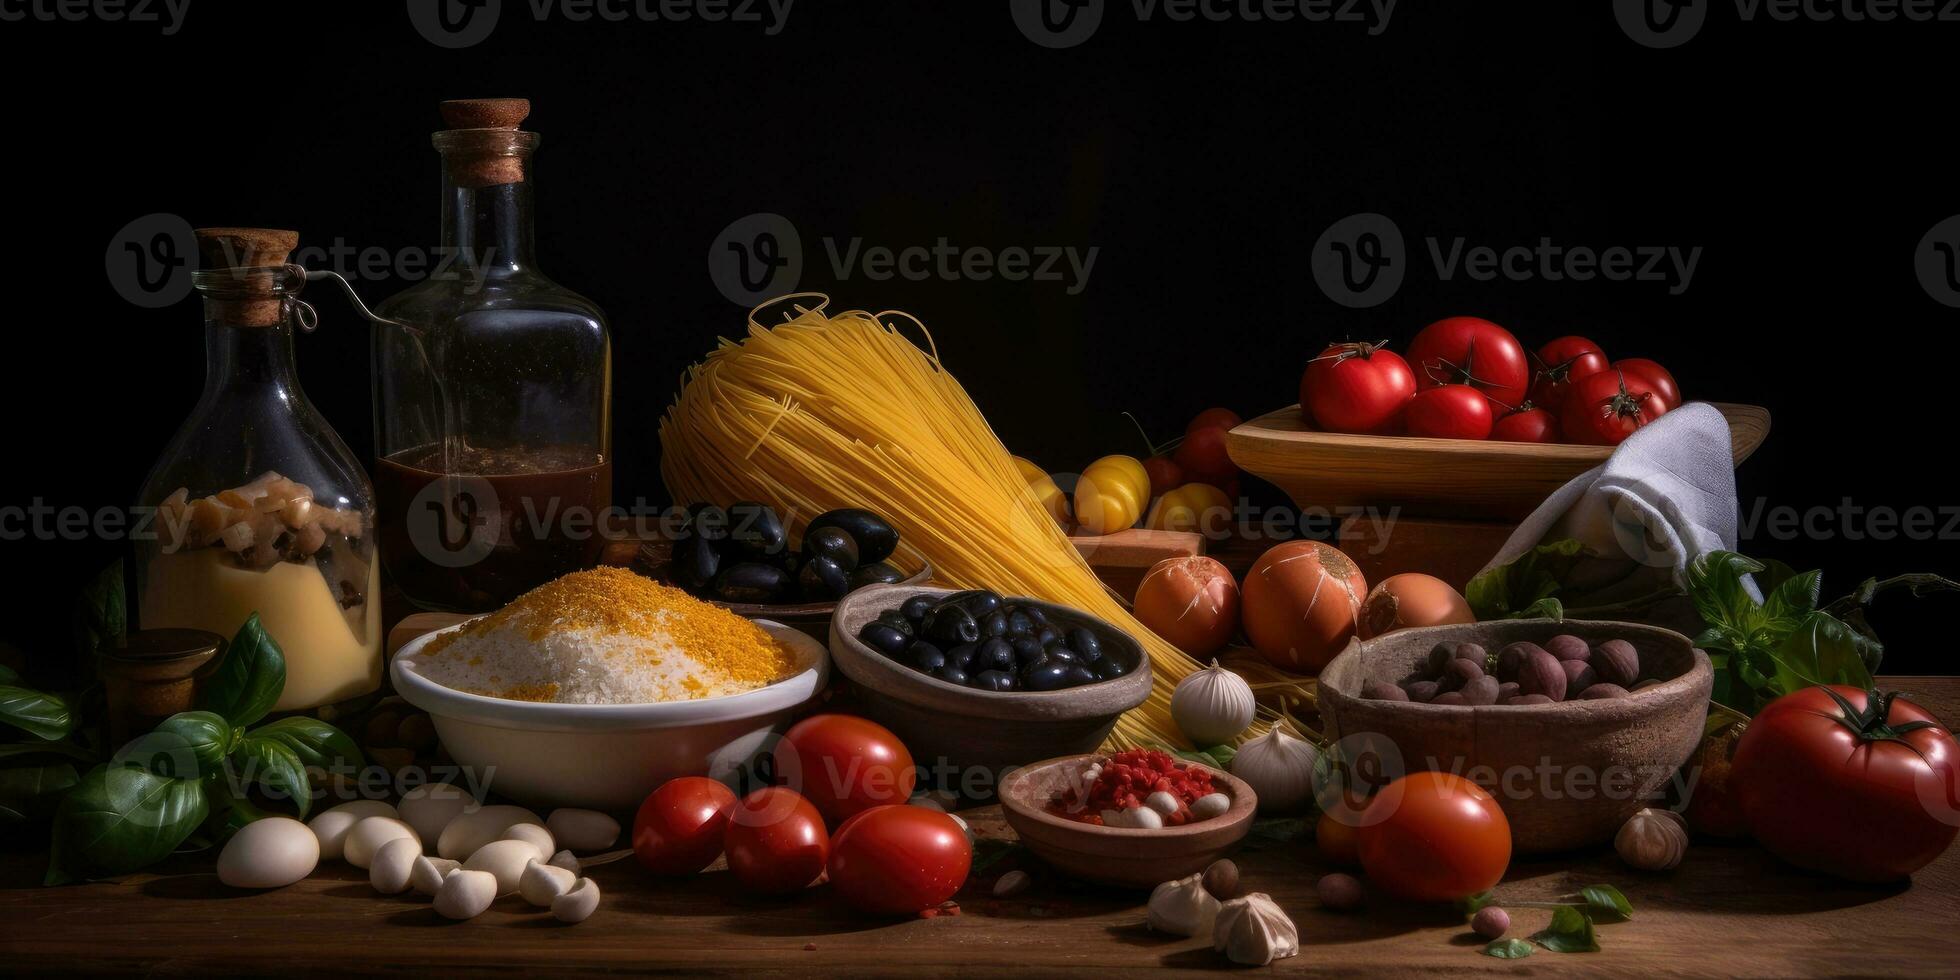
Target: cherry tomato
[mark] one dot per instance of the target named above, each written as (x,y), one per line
(1857,784)
(1214,418)
(844,764)
(1204,457)
(897,860)
(776,841)
(1559,364)
(1472,351)
(1449,412)
(1357,388)
(1528,424)
(680,826)
(1434,837)
(1656,376)
(1604,408)
(1165,475)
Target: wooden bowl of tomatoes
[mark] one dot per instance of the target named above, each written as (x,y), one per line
(1128,857)
(1567,774)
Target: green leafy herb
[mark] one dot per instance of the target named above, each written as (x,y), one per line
(32,792)
(249,679)
(270,764)
(315,742)
(1527,588)
(1509,949)
(1764,650)
(1571,931)
(1605,903)
(119,819)
(101,614)
(43,715)
(1476,903)
(189,745)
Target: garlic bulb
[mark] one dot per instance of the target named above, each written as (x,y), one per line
(1279,767)
(1252,930)
(1652,840)
(1212,706)
(1182,907)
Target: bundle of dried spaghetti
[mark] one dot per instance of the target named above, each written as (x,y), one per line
(819,412)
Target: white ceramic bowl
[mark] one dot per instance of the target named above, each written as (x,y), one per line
(605,756)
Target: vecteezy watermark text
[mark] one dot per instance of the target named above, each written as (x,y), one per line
(1067,23)
(1672,23)
(168,14)
(467,23)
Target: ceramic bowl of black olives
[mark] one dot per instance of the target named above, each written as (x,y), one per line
(741,557)
(974,678)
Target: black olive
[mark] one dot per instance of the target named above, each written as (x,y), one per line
(915,608)
(834,544)
(952,674)
(1079,675)
(950,626)
(708,521)
(896,620)
(995,654)
(1026,650)
(751,582)
(994,625)
(821,580)
(756,530)
(995,680)
(979,602)
(876,540)
(1084,642)
(1110,668)
(964,655)
(1057,652)
(1019,623)
(1034,612)
(921,648)
(878,574)
(1049,675)
(1047,635)
(884,639)
(925,658)
(696,560)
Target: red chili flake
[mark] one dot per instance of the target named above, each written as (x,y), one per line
(1129,776)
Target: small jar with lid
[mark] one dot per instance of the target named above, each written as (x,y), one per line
(149,675)
(258,506)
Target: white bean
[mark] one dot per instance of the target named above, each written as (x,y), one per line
(1162,802)
(541,883)
(465,894)
(365,840)
(533,835)
(470,831)
(578,904)
(505,860)
(1210,805)
(393,864)
(430,807)
(582,830)
(331,826)
(566,860)
(428,872)
(1144,818)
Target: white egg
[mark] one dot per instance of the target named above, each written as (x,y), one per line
(465,894)
(471,830)
(393,863)
(430,807)
(582,830)
(541,883)
(268,853)
(505,859)
(427,873)
(365,840)
(533,835)
(578,904)
(331,826)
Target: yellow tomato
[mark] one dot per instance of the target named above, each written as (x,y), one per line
(1051,497)
(1111,494)
(1197,507)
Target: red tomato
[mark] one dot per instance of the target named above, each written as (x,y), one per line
(1559,364)
(1214,418)
(1656,376)
(1530,424)
(776,842)
(1449,412)
(1165,475)
(844,764)
(897,860)
(1357,388)
(1472,351)
(1854,784)
(1203,456)
(1434,837)
(679,828)
(1604,408)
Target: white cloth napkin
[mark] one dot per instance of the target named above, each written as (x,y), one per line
(1665,496)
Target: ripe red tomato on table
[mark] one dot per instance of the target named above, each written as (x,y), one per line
(844,765)
(897,860)
(1561,363)
(1165,475)
(1203,455)
(1604,408)
(776,841)
(1358,388)
(1656,376)
(1532,424)
(1472,351)
(680,826)
(1449,412)
(1434,837)
(1213,418)
(1861,785)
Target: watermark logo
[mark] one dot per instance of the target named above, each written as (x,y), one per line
(455,23)
(168,14)
(755,258)
(1057,23)
(455,521)
(467,23)
(1067,23)
(150,260)
(1360,260)
(1937,261)
(1661,23)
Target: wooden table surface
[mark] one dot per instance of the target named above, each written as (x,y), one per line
(1729,910)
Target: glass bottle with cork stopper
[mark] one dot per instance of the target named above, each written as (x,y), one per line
(492,388)
(259,507)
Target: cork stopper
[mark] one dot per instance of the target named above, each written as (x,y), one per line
(482,144)
(236,294)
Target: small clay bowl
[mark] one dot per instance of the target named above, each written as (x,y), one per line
(1122,856)
(810,618)
(1602,760)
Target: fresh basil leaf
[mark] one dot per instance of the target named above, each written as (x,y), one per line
(1795,597)
(315,742)
(1820,651)
(250,679)
(1518,589)
(273,767)
(1606,903)
(189,745)
(1715,586)
(33,792)
(37,713)
(119,819)
(17,752)
(1476,903)
(101,613)
(1509,949)
(1547,608)
(1222,756)
(1571,931)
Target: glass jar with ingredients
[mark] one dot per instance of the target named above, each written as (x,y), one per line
(259,507)
(492,388)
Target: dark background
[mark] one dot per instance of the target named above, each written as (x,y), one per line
(1203,159)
